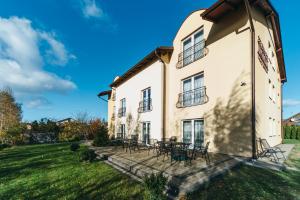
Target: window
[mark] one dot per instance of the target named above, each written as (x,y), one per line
(193,131)
(146,132)
(122,109)
(193,90)
(146,104)
(193,47)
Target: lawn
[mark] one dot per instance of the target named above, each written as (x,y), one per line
(54,172)
(255,183)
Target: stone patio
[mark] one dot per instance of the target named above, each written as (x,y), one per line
(183,177)
(269,163)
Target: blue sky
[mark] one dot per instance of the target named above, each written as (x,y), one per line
(58,54)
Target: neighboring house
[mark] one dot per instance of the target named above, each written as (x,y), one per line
(292,121)
(221,81)
(63,121)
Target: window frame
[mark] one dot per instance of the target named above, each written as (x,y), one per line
(193,129)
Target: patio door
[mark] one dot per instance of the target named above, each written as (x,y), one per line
(122,130)
(198,132)
(146,132)
(187,131)
(193,131)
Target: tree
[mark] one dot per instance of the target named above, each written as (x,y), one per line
(10,110)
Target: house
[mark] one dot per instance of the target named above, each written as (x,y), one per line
(221,81)
(64,121)
(292,121)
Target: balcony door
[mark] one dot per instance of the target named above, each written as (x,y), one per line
(146,99)
(193,90)
(146,132)
(199,44)
(187,51)
(193,131)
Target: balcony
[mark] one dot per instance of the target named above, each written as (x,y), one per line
(192,98)
(145,106)
(122,112)
(192,54)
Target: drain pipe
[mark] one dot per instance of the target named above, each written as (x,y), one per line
(253,117)
(163,94)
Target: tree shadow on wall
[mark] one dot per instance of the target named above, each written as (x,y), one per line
(230,121)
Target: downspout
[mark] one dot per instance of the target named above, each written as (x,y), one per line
(163,95)
(253,117)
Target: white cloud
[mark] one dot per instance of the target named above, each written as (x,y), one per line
(91,10)
(21,59)
(291,102)
(38,102)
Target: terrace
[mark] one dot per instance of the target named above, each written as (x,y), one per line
(183,176)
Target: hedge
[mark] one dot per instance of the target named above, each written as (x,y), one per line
(292,132)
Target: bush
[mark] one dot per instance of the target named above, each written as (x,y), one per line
(74,146)
(155,184)
(3,146)
(287,132)
(293,132)
(101,137)
(72,131)
(88,155)
(298,133)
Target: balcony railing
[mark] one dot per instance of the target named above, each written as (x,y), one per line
(192,54)
(122,112)
(145,106)
(191,98)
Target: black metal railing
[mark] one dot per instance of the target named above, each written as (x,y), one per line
(192,54)
(145,106)
(122,112)
(192,97)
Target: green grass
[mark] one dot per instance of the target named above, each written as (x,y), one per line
(54,172)
(291,141)
(255,183)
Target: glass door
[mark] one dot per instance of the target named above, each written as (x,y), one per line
(198,44)
(198,89)
(187,95)
(187,52)
(198,132)
(187,131)
(146,132)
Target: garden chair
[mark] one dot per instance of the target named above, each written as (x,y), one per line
(269,151)
(132,144)
(203,151)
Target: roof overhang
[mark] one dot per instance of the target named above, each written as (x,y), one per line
(141,65)
(104,93)
(223,7)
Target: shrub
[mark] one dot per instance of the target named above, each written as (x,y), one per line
(155,184)
(293,132)
(287,132)
(298,133)
(3,146)
(72,131)
(88,155)
(74,146)
(101,138)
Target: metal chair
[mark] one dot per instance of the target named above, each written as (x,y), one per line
(268,151)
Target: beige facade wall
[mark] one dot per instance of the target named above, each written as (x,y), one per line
(227,114)
(111,113)
(267,109)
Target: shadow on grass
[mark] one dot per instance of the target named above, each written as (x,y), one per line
(251,183)
(53,172)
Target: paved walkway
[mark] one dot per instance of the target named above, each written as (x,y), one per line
(269,163)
